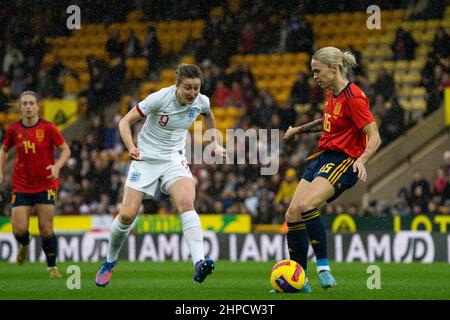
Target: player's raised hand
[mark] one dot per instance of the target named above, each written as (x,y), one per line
(134,154)
(291,132)
(54,170)
(359,167)
(218,149)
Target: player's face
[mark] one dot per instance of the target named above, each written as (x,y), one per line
(323,74)
(188,90)
(29,106)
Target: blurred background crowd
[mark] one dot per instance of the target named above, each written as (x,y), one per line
(92,181)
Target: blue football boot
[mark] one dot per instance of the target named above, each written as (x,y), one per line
(326,279)
(203,268)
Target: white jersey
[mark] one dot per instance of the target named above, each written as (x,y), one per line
(165,129)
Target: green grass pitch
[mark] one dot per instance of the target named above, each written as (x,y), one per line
(230,281)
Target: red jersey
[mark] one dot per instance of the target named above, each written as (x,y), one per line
(35,150)
(343,117)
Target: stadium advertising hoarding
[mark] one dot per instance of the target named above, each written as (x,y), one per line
(219,223)
(62,112)
(241,223)
(367,247)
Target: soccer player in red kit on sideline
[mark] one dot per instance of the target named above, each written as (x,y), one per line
(35,177)
(350,137)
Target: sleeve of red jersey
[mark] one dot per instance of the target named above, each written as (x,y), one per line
(8,141)
(58,139)
(360,111)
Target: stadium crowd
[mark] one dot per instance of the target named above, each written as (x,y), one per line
(92,181)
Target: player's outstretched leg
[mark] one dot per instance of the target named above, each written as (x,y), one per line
(203,268)
(318,238)
(104,273)
(298,245)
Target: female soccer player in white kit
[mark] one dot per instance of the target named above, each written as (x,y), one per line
(159,157)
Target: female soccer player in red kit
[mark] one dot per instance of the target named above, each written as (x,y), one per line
(35,178)
(350,137)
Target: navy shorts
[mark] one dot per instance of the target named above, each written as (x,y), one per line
(336,167)
(30,199)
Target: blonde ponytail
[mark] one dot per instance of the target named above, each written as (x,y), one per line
(331,55)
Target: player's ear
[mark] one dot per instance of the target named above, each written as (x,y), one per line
(334,68)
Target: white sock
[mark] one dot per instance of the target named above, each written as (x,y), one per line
(119,234)
(193,234)
(322,268)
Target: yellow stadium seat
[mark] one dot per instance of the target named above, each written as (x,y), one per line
(167,75)
(398,14)
(2,117)
(237,59)
(418,91)
(12,117)
(422,51)
(418,103)
(388,65)
(419,25)
(188,59)
(417,64)
(399,76)
(433,24)
(219,112)
(412,78)
(234,112)
(402,65)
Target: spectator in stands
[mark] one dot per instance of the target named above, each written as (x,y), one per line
(300,37)
(404,45)
(300,91)
(116,74)
(222,94)
(11,53)
(287,187)
(401,204)
(283,34)
(420,198)
(132,45)
(446,162)
(247,42)
(114,47)
(384,84)
(96,90)
(236,94)
(152,50)
(420,181)
(16,75)
(201,52)
(55,79)
(441,43)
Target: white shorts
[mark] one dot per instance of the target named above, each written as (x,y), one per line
(145,176)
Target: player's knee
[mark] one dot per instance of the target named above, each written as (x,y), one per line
(293,214)
(185,203)
(127,214)
(45,231)
(126,218)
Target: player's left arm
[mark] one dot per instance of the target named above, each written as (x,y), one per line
(373,143)
(56,167)
(216,136)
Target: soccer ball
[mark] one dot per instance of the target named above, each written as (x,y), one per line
(287,276)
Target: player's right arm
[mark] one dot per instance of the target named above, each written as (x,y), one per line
(313,126)
(3,159)
(125,132)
